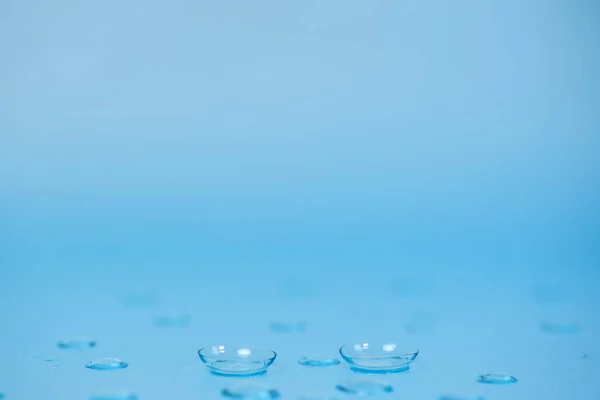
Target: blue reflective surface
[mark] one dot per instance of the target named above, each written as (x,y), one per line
(412,172)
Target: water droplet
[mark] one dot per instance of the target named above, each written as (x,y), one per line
(298,288)
(106,364)
(115,396)
(140,300)
(1,396)
(288,327)
(365,387)
(455,397)
(250,391)
(495,378)
(318,361)
(559,329)
(55,360)
(76,344)
(173,321)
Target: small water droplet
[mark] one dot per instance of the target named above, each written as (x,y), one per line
(560,329)
(140,300)
(495,378)
(172,321)
(47,359)
(115,396)
(318,361)
(365,387)
(288,326)
(106,364)
(250,391)
(76,344)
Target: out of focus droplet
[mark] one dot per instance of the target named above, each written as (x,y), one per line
(495,378)
(76,344)
(106,364)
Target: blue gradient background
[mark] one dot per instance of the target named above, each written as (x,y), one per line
(213,151)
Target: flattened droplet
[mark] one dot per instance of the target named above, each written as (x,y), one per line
(106,364)
(495,378)
(318,361)
(250,391)
(365,387)
(76,344)
(115,396)
(140,300)
(288,326)
(173,321)
(560,329)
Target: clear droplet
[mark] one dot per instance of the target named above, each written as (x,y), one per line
(106,364)
(365,387)
(172,321)
(288,326)
(250,391)
(455,397)
(560,329)
(140,300)
(495,378)
(318,361)
(76,344)
(54,360)
(115,396)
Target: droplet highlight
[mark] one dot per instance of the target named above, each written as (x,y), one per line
(76,344)
(365,387)
(115,396)
(250,391)
(318,361)
(559,329)
(106,364)
(288,326)
(173,321)
(494,378)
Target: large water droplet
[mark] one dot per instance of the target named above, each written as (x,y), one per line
(76,344)
(288,326)
(495,378)
(250,391)
(318,361)
(365,387)
(115,396)
(172,321)
(560,329)
(106,364)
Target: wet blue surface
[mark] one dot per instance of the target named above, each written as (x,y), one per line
(416,172)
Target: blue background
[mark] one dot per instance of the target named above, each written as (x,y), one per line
(355,164)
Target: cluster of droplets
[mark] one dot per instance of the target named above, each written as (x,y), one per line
(247,361)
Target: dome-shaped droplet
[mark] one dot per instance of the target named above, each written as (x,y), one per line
(250,391)
(76,344)
(115,396)
(288,326)
(172,321)
(495,378)
(106,364)
(365,387)
(560,328)
(318,361)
